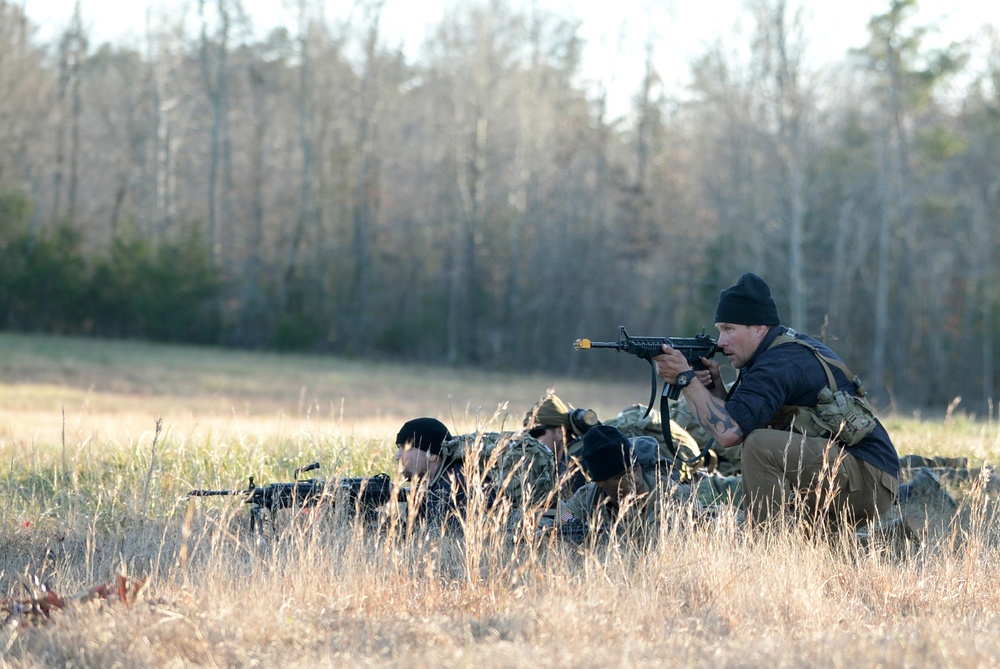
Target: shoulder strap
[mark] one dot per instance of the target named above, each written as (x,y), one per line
(452,451)
(789,337)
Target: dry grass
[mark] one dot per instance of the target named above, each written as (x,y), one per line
(91,490)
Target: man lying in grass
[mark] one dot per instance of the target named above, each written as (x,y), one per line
(624,499)
(420,461)
(512,472)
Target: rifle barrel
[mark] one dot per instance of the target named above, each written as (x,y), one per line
(213,493)
(586,343)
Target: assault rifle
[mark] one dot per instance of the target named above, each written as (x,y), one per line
(363,495)
(574,531)
(693,348)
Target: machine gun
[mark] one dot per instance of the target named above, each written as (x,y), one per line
(693,348)
(363,495)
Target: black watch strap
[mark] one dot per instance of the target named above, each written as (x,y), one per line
(684,378)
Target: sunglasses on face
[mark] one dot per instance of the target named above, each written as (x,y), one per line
(539,430)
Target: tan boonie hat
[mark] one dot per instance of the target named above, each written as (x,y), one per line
(550,410)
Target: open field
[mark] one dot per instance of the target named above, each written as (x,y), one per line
(90,491)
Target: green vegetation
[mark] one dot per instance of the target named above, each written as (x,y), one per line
(48,284)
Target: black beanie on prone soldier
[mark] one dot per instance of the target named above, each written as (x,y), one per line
(606,452)
(425,434)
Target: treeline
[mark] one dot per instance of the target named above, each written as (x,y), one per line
(48,284)
(316,190)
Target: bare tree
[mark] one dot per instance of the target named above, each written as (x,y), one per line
(24,89)
(366,198)
(780,49)
(904,80)
(477,48)
(214,67)
(72,53)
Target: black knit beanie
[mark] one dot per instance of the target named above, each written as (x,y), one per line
(426,434)
(747,303)
(606,452)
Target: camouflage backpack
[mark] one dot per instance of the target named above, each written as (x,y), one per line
(515,465)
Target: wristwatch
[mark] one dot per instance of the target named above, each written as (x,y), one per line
(684,378)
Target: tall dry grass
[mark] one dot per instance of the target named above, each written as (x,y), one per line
(90,490)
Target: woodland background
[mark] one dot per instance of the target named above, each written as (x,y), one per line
(317,191)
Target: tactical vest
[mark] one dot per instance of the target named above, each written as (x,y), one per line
(586,502)
(838,414)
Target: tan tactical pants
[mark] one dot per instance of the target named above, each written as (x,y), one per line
(781,467)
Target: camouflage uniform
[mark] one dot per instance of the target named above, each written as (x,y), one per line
(510,468)
(631,423)
(709,487)
(639,522)
(713,489)
(552,411)
(513,466)
(615,463)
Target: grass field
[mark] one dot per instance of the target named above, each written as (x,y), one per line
(100,442)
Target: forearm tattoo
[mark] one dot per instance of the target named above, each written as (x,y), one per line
(714,418)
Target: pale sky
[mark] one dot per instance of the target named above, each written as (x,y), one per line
(615,30)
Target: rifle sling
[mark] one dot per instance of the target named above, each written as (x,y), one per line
(668,437)
(790,338)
